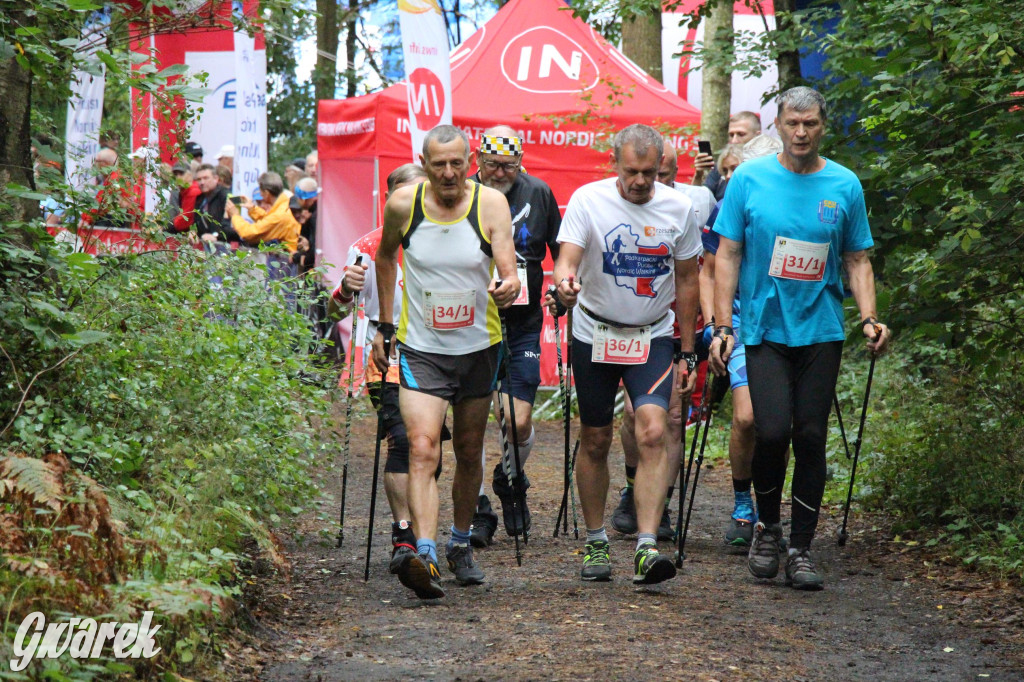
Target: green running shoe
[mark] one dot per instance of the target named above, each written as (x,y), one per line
(651,567)
(597,566)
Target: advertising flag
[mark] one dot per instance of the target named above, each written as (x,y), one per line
(427,69)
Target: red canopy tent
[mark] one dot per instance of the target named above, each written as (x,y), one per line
(532,66)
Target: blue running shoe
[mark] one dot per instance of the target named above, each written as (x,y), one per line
(741,526)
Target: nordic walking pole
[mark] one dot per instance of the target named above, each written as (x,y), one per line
(352,314)
(684,483)
(376,461)
(693,490)
(568,390)
(839,416)
(562,516)
(503,428)
(856,445)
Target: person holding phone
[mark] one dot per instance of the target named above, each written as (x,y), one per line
(743,126)
(787,227)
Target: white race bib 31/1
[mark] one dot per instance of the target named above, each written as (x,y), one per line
(794,259)
(449,309)
(616,346)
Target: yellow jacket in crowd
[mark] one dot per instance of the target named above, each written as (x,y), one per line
(277,223)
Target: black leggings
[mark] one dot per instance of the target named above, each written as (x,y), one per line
(791,390)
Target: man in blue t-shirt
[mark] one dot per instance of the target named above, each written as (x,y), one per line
(788,224)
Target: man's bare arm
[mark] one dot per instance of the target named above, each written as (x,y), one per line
(687,295)
(496,225)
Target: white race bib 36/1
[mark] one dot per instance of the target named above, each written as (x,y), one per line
(616,346)
(449,309)
(794,259)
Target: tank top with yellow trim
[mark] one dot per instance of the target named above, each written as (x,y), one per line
(447,268)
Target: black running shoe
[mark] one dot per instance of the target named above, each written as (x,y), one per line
(763,558)
(403,542)
(624,516)
(485,522)
(801,573)
(460,562)
(504,491)
(419,573)
(651,567)
(597,565)
(665,530)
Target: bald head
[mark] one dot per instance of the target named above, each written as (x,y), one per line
(106,157)
(669,166)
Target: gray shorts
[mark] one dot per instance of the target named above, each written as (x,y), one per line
(451,377)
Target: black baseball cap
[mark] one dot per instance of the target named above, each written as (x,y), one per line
(193,149)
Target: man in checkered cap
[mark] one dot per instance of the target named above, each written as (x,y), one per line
(535,223)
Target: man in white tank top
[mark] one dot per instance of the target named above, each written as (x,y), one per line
(455,234)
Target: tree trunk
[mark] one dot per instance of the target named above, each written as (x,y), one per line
(641,40)
(325,73)
(350,47)
(16,133)
(716,84)
(789,59)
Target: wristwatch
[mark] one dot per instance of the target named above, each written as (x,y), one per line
(691,360)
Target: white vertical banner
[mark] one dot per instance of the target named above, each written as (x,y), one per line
(250,114)
(85,105)
(427,69)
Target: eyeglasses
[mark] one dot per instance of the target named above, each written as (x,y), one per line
(510,167)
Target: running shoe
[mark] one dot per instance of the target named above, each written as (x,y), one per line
(763,558)
(624,516)
(515,523)
(403,542)
(651,567)
(419,573)
(485,522)
(741,526)
(460,562)
(597,565)
(665,530)
(801,573)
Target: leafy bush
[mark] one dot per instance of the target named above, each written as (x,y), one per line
(177,381)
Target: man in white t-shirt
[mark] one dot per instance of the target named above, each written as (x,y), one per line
(624,516)
(629,248)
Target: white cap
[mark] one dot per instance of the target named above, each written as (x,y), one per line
(144,152)
(227,150)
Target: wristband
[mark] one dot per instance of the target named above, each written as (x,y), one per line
(722,331)
(387,330)
(691,360)
(870,319)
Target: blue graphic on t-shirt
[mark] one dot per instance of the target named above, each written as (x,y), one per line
(635,270)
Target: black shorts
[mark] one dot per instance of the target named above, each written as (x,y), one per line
(454,378)
(397,461)
(598,382)
(524,364)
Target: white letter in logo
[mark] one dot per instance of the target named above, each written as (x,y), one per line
(26,652)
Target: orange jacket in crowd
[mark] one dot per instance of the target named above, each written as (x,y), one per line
(277,223)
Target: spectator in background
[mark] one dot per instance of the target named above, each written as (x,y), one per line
(292,174)
(211,221)
(274,223)
(224,176)
(188,194)
(313,165)
(116,205)
(742,127)
(226,157)
(110,140)
(194,151)
(307,194)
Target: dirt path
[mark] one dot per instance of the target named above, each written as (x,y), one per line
(888,611)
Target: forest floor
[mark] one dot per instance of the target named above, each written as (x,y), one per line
(892,609)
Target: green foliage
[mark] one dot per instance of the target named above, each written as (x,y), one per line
(291,105)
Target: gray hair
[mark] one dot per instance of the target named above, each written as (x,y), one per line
(760,145)
(750,117)
(403,174)
(443,134)
(802,98)
(271,183)
(306,184)
(641,137)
